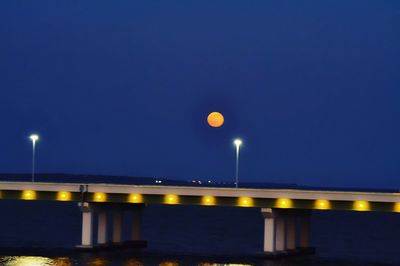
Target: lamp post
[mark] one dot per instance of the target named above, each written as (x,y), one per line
(33,138)
(237,143)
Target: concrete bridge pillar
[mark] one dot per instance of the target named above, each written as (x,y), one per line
(304,220)
(269,230)
(87,225)
(117,210)
(117,226)
(102,227)
(136,223)
(274,231)
(290,232)
(280,231)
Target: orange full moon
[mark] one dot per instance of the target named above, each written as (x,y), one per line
(215,119)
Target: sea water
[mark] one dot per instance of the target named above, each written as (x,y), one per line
(43,233)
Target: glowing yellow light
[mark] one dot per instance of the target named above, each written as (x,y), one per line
(284,203)
(322,204)
(100,197)
(171,199)
(397,207)
(245,202)
(208,200)
(64,196)
(28,195)
(135,198)
(361,205)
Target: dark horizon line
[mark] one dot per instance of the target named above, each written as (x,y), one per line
(121,179)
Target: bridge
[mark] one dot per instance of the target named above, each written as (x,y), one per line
(286,212)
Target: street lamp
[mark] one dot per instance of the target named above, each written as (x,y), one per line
(237,143)
(33,138)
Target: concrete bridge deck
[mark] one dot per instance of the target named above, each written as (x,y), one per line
(209,196)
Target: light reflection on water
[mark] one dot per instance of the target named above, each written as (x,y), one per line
(169,263)
(96,262)
(33,261)
(134,262)
(64,261)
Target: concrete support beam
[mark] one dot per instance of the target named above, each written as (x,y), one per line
(290,232)
(274,230)
(87,225)
(136,223)
(280,233)
(87,229)
(102,228)
(305,220)
(117,227)
(269,230)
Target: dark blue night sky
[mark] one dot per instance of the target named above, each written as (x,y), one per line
(124,88)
